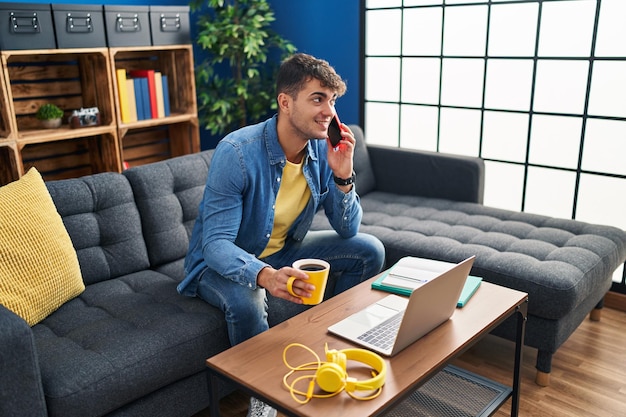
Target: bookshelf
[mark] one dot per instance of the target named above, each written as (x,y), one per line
(85,77)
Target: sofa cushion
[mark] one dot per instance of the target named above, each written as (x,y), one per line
(121,339)
(558,262)
(365,181)
(39,269)
(102,220)
(168,196)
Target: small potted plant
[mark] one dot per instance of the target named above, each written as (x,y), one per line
(50,116)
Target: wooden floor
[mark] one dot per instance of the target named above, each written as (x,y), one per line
(588,373)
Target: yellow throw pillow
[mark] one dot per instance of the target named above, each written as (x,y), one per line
(39,268)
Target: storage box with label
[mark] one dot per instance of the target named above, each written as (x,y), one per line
(127,25)
(26,26)
(79,26)
(169,25)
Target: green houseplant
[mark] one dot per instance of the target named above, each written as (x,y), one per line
(49,115)
(235,82)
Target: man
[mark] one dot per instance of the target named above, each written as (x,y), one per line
(265,184)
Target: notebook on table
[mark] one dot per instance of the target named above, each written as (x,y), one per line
(411,272)
(394,322)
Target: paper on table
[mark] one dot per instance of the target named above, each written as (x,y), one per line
(411,272)
(424,264)
(406,277)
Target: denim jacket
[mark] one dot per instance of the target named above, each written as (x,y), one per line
(236,214)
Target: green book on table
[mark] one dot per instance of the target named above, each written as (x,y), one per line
(410,273)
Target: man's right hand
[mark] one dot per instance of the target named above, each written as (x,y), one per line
(275,281)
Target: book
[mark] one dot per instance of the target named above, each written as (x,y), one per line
(123,95)
(410,273)
(139,98)
(149,75)
(166,96)
(471,285)
(132,103)
(158,85)
(145,98)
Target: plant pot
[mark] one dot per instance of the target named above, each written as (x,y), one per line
(51,123)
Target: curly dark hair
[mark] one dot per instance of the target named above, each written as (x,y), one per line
(299,68)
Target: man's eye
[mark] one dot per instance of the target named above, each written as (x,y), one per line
(317,100)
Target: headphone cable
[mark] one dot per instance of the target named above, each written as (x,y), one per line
(314,366)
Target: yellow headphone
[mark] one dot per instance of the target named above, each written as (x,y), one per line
(332,376)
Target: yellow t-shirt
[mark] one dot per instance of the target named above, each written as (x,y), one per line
(293,195)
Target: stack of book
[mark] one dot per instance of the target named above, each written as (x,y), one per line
(143,94)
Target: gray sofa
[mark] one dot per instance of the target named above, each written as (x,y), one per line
(131,346)
(430,205)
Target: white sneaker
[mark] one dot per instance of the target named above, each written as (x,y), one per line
(259,409)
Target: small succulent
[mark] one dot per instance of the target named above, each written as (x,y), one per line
(48,112)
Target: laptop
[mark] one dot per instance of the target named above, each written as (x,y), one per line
(394,322)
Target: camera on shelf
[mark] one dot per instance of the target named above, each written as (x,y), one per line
(85,117)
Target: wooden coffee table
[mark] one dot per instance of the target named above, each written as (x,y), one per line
(256,366)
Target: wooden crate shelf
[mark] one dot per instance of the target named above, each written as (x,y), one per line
(66,78)
(152,144)
(60,159)
(6,127)
(72,158)
(175,61)
(10,164)
(155,139)
(82,78)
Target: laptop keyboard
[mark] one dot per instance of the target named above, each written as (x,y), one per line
(384,334)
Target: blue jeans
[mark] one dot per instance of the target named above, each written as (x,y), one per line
(245,310)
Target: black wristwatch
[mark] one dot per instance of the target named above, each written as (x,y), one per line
(345,181)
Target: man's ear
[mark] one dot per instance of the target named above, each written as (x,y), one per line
(284,102)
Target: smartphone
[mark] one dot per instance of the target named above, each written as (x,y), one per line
(334,131)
